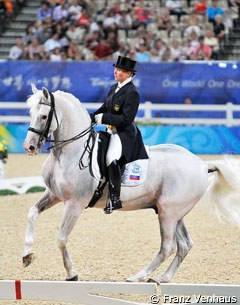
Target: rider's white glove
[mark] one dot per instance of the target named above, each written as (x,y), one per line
(98,118)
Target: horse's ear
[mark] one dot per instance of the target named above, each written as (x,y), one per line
(45,92)
(34,88)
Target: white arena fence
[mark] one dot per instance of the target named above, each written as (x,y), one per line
(191,114)
(94,293)
(86,293)
(21,185)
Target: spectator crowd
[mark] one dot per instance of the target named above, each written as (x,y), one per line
(8,8)
(146,31)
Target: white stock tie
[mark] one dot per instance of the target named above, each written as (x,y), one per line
(118,88)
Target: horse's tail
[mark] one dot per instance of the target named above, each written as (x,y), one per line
(223,193)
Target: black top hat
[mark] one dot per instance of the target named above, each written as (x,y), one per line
(125,63)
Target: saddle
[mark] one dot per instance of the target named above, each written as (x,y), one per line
(133,173)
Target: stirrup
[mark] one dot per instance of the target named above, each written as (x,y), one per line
(112,205)
(109,208)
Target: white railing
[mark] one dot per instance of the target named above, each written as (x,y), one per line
(148,108)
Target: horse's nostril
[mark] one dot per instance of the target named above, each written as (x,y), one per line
(31,147)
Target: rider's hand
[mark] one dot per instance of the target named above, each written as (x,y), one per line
(98,118)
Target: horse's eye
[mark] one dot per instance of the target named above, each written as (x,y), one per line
(44,117)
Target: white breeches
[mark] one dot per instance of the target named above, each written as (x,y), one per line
(114,149)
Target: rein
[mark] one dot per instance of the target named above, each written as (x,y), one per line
(43,134)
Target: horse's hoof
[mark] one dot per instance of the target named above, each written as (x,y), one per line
(28,259)
(154,280)
(73,279)
(136,279)
(132,279)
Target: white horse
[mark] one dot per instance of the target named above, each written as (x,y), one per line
(176,181)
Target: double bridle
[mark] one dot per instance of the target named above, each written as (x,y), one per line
(43,134)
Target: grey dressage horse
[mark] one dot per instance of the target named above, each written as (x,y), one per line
(176,181)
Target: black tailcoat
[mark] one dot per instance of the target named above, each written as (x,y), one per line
(120,110)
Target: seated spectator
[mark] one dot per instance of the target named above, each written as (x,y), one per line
(175,48)
(164,22)
(10,9)
(52,43)
(102,51)
(60,11)
(109,21)
(193,26)
(186,50)
(30,33)
(194,41)
(94,27)
(123,50)
(213,10)
(75,33)
(92,40)
(56,55)
(175,8)
(150,39)
(124,21)
(87,54)
(84,19)
(49,21)
(167,55)
(211,41)
(219,29)
(160,47)
(3,15)
(143,54)
(44,11)
(116,8)
(16,51)
(200,7)
(74,11)
(112,40)
(60,28)
(154,55)
(73,52)
(202,51)
(34,49)
(142,13)
(44,32)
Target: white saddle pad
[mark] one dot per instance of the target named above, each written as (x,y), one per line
(134,174)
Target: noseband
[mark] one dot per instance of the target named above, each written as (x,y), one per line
(43,134)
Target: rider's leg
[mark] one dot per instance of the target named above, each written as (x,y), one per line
(113,155)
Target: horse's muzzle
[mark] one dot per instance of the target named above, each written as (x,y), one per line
(31,150)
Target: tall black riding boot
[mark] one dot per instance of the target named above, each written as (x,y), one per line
(114,173)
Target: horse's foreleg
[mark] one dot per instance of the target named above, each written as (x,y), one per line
(72,211)
(184,244)
(168,246)
(47,201)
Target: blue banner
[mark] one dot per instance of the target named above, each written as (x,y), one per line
(157,82)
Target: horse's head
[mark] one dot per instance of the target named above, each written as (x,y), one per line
(43,119)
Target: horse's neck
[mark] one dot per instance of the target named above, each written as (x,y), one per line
(74,120)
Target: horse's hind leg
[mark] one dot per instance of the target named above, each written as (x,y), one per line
(168,246)
(47,201)
(72,211)
(184,244)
